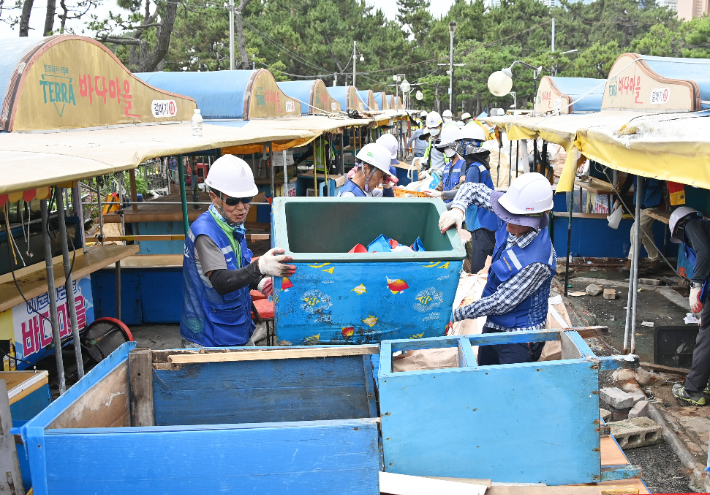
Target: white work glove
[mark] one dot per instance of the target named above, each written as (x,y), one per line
(266,286)
(449,218)
(273,264)
(423,175)
(433,193)
(695,305)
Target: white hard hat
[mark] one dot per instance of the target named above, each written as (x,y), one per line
(447,113)
(528,194)
(376,155)
(389,142)
(449,135)
(433,119)
(232,176)
(678,215)
(423,114)
(465,116)
(474,131)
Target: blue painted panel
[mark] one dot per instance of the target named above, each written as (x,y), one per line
(692,69)
(530,422)
(103,284)
(324,303)
(161,228)
(576,87)
(28,407)
(301,90)
(263,391)
(326,458)
(403,179)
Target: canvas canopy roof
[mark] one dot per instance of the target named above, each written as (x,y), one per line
(569,95)
(313,96)
(347,97)
(229,94)
(368,97)
(659,84)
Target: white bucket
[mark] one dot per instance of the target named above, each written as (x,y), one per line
(615,218)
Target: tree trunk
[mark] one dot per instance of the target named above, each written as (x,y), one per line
(63,16)
(149,62)
(25,18)
(240,33)
(49,17)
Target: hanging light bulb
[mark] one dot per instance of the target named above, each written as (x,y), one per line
(500,83)
(362,59)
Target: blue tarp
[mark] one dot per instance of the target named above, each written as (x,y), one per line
(576,87)
(219,95)
(340,94)
(378,99)
(364,96)
(301,90)
(13,51)
(692,69)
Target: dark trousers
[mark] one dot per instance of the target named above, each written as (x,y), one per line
(699,374)
(508,353)
(482,243)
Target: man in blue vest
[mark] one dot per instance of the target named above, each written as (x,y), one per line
(688,227)
(518,287)
(452,177)
(373,169)
(217,269)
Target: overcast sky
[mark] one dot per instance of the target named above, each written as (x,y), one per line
(389,7)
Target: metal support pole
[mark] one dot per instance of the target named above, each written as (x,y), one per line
(120,202)
(79,213)
(183,193)
(451,70)
(285,193)
(517,159)
(570,206)
(510,161)
(231,35)
(101,212)
(118,289)
(195,183)
(52,293)
(354,61)
(535,156)
(69,285)
(271,163)
(552,48)
(635,261)
(341,171)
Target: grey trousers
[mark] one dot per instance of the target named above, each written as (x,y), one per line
(699,374)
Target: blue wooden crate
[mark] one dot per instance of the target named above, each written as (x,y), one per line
(272,427)
(521,423)
(341,298)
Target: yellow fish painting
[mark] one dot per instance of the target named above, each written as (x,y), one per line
(359,290)
(370,321)
(424,299)
(396,286)
(444,266)
(311,301)
(432,264)
(417,336)
(319,266)
(329,270)
(313,339)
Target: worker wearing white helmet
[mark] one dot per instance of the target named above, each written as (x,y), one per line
(217,269)
(451,178)
(448,116)
(466,118)
(523,264)
(373,163)
(422,119)
(689,228)
(433,159)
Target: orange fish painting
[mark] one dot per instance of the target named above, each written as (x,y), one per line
(286,284)
(348,331)
(396,286)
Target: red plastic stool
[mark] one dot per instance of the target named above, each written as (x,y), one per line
(263,310)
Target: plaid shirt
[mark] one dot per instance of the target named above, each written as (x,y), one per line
(514,290)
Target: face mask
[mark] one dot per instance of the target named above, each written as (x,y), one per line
(449,152)
(435,132)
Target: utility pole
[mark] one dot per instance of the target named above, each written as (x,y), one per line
(553,35)
(354,60)
(452,30)
(231,34)
(335,79)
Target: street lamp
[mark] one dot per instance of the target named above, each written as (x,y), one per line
(452,30)
(405,86)
(501,82)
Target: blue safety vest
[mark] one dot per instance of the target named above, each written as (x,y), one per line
(350,186)
(452,176)
(480,218)
(208,318)
(692,257)
(508,263)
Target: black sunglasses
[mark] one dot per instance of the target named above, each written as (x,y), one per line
(236,201)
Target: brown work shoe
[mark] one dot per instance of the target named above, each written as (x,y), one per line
(626,269)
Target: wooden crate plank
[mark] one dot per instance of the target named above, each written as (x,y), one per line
(548,406)
(246,355)
(401,484)
(262,391)
(319,458)
(140,369)
(612,455)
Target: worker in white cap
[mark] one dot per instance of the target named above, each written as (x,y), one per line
(422,119)
(466,118)
(451,178)
(524,262)
(217,269)
(448,116)
(373,170)
(433,159)
(689,228)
